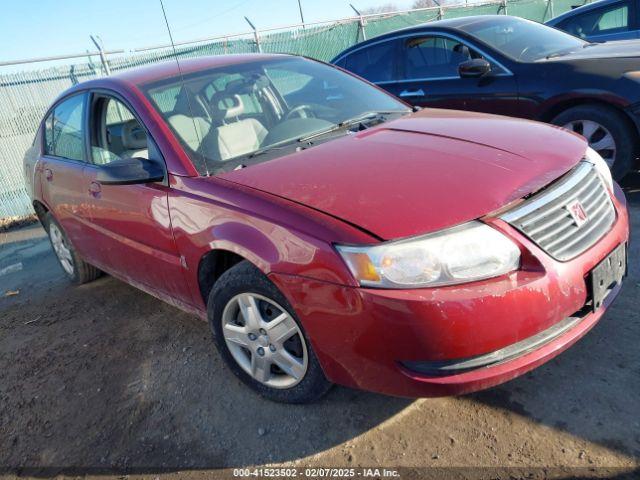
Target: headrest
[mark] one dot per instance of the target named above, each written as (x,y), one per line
(225,106)
(463,50)
(134,136)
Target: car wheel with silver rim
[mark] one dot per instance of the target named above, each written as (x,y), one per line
(76,269)
(61,249)
(264,340)
(599,138)
(609,132)
(261,338)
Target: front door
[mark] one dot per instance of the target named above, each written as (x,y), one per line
(132,224)
(428,77)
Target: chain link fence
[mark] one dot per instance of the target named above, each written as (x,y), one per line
(25,96)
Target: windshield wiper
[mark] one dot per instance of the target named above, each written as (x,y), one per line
(350,122)
(359,119)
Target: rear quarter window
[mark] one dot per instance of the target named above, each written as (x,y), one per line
(375,63)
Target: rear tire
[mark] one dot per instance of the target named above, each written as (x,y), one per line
(261,339)
(76,269)
(599,124)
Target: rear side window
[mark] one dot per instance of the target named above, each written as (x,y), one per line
(612,19)
(64,129)
(375,63)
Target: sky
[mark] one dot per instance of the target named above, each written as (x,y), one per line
(42,28)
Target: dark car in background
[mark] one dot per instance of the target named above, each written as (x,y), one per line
(511,66)
(602,21)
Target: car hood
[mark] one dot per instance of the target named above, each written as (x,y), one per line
(420,173)
(617,49)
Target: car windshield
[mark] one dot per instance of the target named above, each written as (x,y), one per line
(228,117)
(520,39)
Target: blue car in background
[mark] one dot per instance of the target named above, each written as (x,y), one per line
(602,21)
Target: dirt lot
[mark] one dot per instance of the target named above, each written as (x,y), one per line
(104,379)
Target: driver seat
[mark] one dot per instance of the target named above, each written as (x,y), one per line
(238,136)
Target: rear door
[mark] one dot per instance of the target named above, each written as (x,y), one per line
(64,186)
(132,227)
(428,77)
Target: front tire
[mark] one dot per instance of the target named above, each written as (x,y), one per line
(261,339)
(76,269)
(608,132)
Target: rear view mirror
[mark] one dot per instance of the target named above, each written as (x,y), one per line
(475,68)
(128,171)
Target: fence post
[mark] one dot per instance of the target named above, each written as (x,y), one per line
(361,23)
(256,37)
(550,8)
(103,58)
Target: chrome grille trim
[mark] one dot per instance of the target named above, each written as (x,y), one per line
(545,219)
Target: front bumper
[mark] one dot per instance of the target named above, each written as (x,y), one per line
(372,338)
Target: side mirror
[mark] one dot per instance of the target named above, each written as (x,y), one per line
(129,171)
(475,68)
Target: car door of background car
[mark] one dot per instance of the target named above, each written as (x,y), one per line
(133,229)
(64,186)
(428,76)
(615,21)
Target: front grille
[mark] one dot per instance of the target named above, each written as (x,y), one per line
(546,219)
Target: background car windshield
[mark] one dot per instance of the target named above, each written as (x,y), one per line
(521,39)
(233,111)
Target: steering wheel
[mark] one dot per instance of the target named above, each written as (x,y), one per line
(302,111)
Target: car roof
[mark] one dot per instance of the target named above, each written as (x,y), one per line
(446,24)
(162,70)
(581,9)
(166,69)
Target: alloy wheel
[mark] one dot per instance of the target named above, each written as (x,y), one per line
(265,340)
(61,248)
(599,138)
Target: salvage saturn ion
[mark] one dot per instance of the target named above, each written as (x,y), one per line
(327,232)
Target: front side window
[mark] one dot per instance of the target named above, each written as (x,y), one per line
(435,57)
(224,115)
(612,19)
(375,63)
(519,39)
(64,129)
(116,133)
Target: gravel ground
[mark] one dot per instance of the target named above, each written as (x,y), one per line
(104,379)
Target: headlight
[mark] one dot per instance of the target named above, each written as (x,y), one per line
(601,166)
(465,253)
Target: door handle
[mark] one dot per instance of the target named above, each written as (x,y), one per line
(412,93)
(48,174)
(95,189)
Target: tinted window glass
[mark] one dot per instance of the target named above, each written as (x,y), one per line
(521,39)
(117,134)
(375,63)
(66,136)
(435,57)
(612,19)
(48,135)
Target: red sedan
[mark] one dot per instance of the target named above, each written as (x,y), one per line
(327,232)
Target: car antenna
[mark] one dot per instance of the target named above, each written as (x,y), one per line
(184,86)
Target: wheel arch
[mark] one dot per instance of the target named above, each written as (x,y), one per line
(211,267)
(561,105)
(41,210)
